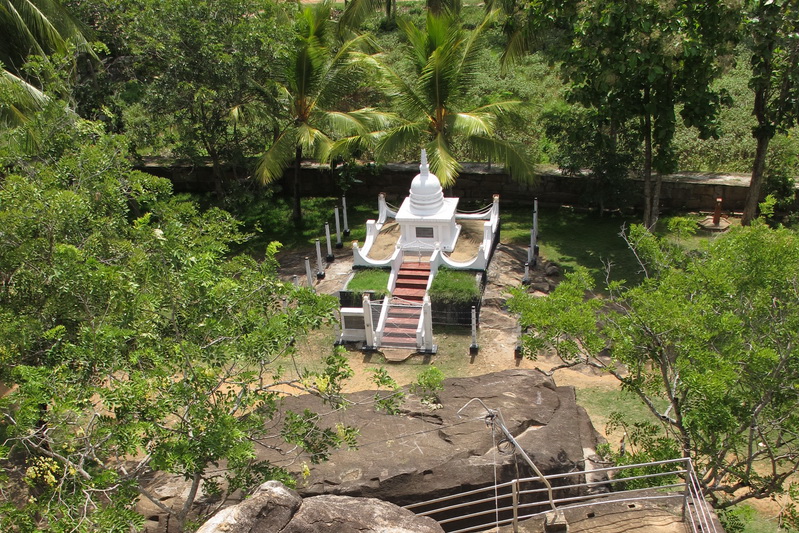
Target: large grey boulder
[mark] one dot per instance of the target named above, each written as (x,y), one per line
(273,508)
(425,453)
(422,454)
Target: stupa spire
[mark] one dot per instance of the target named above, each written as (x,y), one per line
(426,196)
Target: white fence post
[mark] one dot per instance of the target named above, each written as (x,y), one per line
(367,323)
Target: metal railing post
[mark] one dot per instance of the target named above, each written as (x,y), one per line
(515,489)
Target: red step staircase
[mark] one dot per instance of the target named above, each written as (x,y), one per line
(402,320)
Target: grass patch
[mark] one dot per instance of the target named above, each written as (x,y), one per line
(269,219)
(572,239)
(454,286)
(601,402)
(370,279)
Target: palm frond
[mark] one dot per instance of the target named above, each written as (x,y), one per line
(39,27)
(517,47)
(442,162)
(399,138)
(471,47)
(278,157)
(413,106)
(469,124)
(359,122)
(355,144)
(513,155)
(500,108)
(312,139)
(22,99)
(418,42)
(356,11)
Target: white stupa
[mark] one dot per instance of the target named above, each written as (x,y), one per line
(426,217)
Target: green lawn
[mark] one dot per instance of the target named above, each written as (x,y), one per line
(572,239)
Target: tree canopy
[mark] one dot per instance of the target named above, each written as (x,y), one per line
(132,339)
(707,342)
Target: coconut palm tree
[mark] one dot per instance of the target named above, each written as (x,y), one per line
(432,102)
(316,77)
(33,27)
(37,27)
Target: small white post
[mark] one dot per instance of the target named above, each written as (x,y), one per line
(320,270)
(308,271)
(367,323)
(344,209)
(473,349)
(339,244)
(330,257)
(526,278)
(427,326)
(295,279)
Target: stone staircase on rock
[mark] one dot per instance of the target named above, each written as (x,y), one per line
(405,308)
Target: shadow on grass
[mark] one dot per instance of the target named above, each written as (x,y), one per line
(573,239)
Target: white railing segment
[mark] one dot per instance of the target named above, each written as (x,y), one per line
(510,499)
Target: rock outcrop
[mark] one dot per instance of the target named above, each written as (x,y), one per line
(273,508)
(422,454)
(425,453)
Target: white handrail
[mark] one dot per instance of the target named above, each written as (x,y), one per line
(699,516)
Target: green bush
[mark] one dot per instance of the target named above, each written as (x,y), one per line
(454,286)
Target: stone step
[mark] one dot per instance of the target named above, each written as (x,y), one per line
(404,339)
(412,283)
(415,274)
(396,322)
(419,267)
(409,294)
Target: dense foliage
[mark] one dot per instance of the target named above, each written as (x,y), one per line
(707,341)
(132,340)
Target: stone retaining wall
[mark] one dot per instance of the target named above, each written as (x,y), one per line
(477,183)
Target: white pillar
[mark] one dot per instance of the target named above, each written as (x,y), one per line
(344,212)
(320,269)
(330,257)
(308,271)
(367,322)
(427,313)
(474,347)
(339,244)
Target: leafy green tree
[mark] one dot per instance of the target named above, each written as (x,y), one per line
(641,60)
(133,341)
(587,141)
(316,75)
(432,101)
(773,27)
(708,342)
(204,69)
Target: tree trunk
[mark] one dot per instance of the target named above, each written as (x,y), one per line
(763,134)
(648,193)
(219,188)
(296,214)
(755,184)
